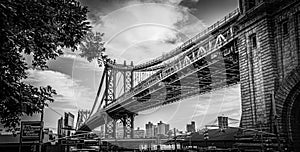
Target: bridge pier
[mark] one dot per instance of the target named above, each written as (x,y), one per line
(110,127)
(128,125)
(127,121)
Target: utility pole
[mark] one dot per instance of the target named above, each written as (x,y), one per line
(42,127)
(206,136)
(175,140)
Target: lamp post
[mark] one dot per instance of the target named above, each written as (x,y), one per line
(206,137)
(261,137)
(275,120)
(175,140)
(42,127)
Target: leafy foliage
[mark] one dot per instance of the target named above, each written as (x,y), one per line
(92,47)
(40,28)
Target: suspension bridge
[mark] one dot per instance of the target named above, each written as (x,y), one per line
(204,63)
(256,45)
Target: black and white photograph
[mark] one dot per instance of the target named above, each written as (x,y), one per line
(150,76)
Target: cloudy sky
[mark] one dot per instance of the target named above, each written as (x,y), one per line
(139,30)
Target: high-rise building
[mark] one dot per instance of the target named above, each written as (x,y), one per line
(60,125)
(191,127)
(162,128)
(119,130)
(155,130)
(223,122)
(149,130)
(167,128)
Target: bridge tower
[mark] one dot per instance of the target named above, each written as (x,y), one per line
(82,116)
(268,44)
(113,89)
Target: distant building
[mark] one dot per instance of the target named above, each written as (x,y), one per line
(60,126)
(119,131)
(223,122)
(155,130)
(149,130)
(191,127)
(162,128)
(139,133)
(167,128)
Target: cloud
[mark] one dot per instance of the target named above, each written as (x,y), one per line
(101,8)
(71,94)
(134,22)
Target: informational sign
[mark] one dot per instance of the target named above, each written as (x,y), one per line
(69,120)
(92,142)
(31,131)
(71,142)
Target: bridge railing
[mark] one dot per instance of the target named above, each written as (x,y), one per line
(179,49)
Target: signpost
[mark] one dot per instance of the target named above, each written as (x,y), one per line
(71,142)
(30,132)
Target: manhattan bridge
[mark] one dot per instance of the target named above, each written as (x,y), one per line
(256,46)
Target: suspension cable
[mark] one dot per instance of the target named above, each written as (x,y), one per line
(99,90)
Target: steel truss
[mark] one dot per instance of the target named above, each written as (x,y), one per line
(110,86)
(183,84)
(111,82)
(127,120)
(83,115)
(128,125)
(110,127)
(128,80)
(113,76)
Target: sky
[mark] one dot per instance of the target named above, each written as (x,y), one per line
(138,30)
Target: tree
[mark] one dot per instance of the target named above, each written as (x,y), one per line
(91,46)
(41,28)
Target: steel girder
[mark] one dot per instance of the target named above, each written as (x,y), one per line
(110,127)
(223,73)
(110,86)
(128,125)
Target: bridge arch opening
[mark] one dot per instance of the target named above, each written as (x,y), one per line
(295,122)
(290,116)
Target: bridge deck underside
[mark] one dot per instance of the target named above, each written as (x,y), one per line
(203,75)
(217,69)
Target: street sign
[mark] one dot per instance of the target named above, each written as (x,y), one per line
(31,131)
(92,142)
(71,142)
